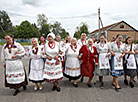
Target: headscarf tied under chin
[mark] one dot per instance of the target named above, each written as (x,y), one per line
(52,35)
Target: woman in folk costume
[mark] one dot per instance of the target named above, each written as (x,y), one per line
(136,51)
(117,51)
(36,65)
(11,54)
(65,45)
(53,67)
(42,40)
(104,67)
(61,45)
(89,58)
(82,41)
(72,63)
(130,68)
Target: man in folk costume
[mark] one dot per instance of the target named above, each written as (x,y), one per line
(82,41)
(87,55)
(11,54)
(117,51)
(53,67)
(72,63)
(130,67)
(36,64)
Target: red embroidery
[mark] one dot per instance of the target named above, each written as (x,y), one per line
(74,47)
(51,45)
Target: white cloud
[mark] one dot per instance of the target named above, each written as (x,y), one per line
(111,11)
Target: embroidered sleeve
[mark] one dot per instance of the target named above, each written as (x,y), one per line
(2,55)
(21,50)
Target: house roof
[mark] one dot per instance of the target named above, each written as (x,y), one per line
(111,26)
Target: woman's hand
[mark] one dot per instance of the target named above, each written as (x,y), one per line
(13,56)
(43,53)
(113,53)
(79,57)
(56,57)
(48,57)
(107,55)
(96,64)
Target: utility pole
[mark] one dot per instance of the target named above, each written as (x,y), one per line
(100,23)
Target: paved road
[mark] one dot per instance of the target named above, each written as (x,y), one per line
(68,92)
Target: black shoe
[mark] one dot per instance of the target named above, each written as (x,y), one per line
(131,84)
(116,89)
(16,92)
(125,82)
(24,87)
(54,88)
(81,79)
(69,79)
(102,85)
(89,85)
(113,84)
(75,85)
(58,89)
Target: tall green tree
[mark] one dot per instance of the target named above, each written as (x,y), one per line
(26,30)
(5,23)
(58,30)
(42,22)
(82,29)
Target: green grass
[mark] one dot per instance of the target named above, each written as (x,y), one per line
(22,43)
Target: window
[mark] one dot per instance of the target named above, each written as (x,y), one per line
(121,26)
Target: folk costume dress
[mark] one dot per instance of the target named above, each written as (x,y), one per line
(53,68)
(104,66)
(89,58)
(15,76)
(131,68)
(117,61)
(72,63)
(36,65)
(136,56)
(81,43)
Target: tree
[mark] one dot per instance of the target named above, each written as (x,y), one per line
(82,29)
(5,23)
(26,30)
(58,30)
(42,22)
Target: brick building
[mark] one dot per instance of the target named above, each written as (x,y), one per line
(112,30)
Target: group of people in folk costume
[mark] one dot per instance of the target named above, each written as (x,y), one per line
(51,59)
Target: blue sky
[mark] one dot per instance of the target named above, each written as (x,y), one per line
(112,11)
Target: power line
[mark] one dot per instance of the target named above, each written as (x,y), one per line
(66,17)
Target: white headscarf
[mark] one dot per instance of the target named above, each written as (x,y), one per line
(52,35)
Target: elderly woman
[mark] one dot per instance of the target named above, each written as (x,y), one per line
(104,66)
(11,54)
(53,67)
(117,51)
(130,68)
(89,59)
(82,41)
(72,63)
(36,64)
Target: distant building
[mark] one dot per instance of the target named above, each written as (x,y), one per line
(111,31)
